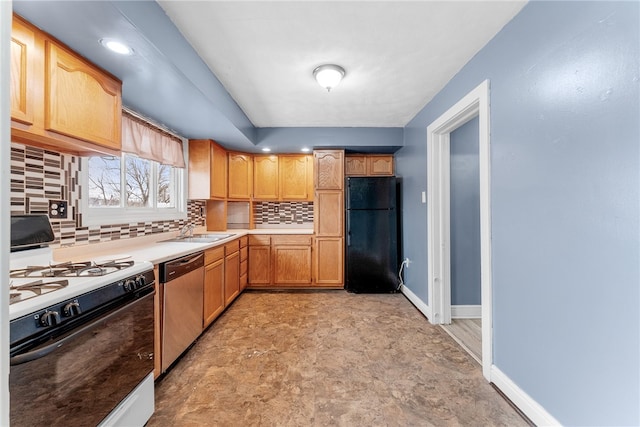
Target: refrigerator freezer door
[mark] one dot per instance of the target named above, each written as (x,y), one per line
(372,251)
(371,193)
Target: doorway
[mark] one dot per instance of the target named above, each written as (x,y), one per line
(474,104)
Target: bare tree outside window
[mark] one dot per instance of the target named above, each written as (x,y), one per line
(137,181)
(166,188)
(104,181)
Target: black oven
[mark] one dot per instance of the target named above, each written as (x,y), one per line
(73,367)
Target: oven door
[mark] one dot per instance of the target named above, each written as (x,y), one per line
(80,377)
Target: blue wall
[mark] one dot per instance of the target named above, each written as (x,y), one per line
(564,203)
(465,214)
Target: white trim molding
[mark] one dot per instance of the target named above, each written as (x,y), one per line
(466,312)
(417,302)
(474,104)
(522,400)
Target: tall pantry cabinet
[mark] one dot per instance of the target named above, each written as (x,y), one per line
(329,217)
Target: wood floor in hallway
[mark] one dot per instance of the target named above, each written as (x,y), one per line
(327,358)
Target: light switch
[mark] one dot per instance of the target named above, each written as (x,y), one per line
(424,197)
(57,209)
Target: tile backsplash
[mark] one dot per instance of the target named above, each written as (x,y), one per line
(278,213)
(38,176)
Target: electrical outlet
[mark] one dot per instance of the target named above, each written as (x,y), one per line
(276,209)
(57,209)
(407,262)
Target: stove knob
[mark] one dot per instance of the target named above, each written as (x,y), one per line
(72,309)
(140,281)
(49,318)
(129,285)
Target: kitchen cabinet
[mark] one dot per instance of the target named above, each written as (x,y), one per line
(231,271)
(329,261)
(80,100)
(283,177)
(369,165)
(244,262)
(259,260)
(207,170)
(291,259)
(60,101)
(328,169)
(329,218)
(214,281)
(265,177)
(240,171)
(328,213)
(282,260)
(293,182)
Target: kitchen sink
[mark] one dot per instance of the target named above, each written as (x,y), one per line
(199,238)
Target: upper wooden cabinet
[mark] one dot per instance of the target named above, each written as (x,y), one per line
(369,165)
(207,170)
(240,166)
(328,169)
(60,101)
(265,177)
(294,184)
(282,177)
(23,71)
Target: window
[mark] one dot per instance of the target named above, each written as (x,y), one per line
(144,184)
(132,188)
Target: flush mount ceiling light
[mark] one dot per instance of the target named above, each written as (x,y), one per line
(329,75)
(266,149)
(116,46)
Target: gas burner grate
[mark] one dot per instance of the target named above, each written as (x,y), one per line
(71,269)
(36,288)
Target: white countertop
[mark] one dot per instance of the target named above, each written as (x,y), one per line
(152,248)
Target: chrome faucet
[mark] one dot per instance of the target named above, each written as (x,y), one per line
(186,230)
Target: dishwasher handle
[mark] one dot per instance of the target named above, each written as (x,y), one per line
(173,269)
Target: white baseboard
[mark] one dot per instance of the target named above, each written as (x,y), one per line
(522,400)
(420,305)
(466,312)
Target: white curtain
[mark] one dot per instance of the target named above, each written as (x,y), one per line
(147,141)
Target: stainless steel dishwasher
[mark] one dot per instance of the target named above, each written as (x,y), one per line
(183,280)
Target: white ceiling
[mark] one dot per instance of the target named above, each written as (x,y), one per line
(397,54)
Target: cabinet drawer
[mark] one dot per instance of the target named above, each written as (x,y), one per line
(287,239)
(232,247)
(244,253)
(213,254)
(243,267)
(244,241)
(259,240)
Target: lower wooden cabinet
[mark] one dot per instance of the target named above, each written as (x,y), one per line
(231,271)
(214,279)
(281,260)
(329,261)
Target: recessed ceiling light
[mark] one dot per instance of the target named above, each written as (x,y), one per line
(305,150)
(266,150)
(116,46)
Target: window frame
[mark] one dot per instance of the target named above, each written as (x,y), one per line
(109,215)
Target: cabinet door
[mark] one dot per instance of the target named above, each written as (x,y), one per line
(293,177)
(292,265)
(80,100)
(214,278)
(218,175)
(328,169)
(23,72)
(259,265)
(380,165)
(240,175)
(329,261)
(329,213)
(265,177)
(231,277)
(355,165)
(310,177)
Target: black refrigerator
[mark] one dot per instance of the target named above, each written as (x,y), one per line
(372,235)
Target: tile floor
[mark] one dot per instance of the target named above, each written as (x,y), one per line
(326,358)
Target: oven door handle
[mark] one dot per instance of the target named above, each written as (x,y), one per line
(48,349)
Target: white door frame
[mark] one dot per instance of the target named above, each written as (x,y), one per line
(475,103)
